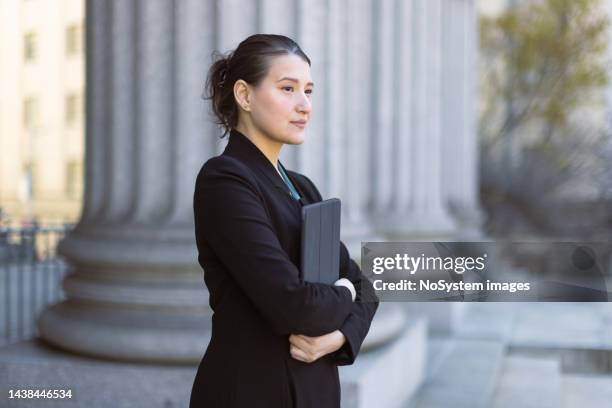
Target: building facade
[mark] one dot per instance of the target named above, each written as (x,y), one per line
(42,82)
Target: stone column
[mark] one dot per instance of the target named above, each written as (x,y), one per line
(409,201)
(357,50)
(382,108)
(460,141)
(135,291)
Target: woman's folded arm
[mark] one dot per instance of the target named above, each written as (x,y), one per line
(356,326)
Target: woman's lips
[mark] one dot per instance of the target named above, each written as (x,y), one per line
(300,124)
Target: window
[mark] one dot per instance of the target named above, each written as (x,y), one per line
(30,113)
(74,40)
(73,108)
(74,178)
(29,47)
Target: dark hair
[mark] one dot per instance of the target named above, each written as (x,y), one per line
(250,62)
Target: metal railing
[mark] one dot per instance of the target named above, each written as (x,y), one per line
(31,273)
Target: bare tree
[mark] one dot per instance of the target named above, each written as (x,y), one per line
(544,70)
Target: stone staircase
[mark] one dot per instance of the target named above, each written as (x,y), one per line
(528,383)
(532,382)
(522,355)
(386,377)
(465,378)
(586,391)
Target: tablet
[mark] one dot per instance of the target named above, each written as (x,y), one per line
(320,248)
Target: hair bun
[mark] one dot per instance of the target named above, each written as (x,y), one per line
(223,71)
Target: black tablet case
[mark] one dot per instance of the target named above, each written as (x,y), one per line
(320,251)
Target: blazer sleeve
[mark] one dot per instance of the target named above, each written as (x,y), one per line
(357,324)
(231,218)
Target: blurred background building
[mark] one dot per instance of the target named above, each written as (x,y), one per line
(42,78)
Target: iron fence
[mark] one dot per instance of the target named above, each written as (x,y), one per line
(31,273)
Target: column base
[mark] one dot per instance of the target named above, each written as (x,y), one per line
(160,337)
(387,377)
(387,325)
(469,222)
(136,335)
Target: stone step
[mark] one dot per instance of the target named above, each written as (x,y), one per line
(438,349)
(389,375)
(528,383)
(586,391)
(572,360)
(466,378)
(578,334)
(564,325)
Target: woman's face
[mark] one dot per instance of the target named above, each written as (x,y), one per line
(280,105)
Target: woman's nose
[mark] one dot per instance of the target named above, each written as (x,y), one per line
(304,105)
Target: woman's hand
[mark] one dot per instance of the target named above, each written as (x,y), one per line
(309,349)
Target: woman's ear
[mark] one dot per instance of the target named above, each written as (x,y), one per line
(241,94)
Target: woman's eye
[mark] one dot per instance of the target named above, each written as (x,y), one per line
(290,88)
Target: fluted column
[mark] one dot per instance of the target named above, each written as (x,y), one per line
(357,50)
(312,32)
(459,147)
(135,291)
(405,103)
(429,212)
(383,105)
(409,201)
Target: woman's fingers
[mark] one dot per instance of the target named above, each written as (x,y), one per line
(309,349)
(299,341)
(300,354)
(307,339)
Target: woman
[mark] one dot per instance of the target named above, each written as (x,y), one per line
(276,341)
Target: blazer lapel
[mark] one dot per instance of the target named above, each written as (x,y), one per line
(241,147)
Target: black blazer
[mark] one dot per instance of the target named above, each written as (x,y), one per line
(247,230)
